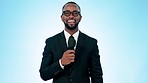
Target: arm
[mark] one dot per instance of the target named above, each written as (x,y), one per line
(49,68)
(95,65)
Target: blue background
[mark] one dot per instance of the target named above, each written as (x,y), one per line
(120,26)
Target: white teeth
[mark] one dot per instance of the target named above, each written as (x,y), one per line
(71,20)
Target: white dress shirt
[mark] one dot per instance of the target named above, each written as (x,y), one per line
(67,35)
(75,35)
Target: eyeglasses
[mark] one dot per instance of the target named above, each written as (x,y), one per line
(68,13)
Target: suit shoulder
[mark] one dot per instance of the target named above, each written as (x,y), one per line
(89,38)
(53,38)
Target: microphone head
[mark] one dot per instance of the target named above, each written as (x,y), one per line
(71,43)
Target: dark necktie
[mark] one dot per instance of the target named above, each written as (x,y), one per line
(71,43)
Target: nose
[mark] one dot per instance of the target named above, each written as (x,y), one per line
(71,16)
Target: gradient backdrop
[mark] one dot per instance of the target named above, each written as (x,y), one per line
(120,26)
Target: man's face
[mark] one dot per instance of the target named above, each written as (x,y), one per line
(71,16)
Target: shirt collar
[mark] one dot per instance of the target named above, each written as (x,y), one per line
(75,35)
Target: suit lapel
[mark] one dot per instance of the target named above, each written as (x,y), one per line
(62,42)
(80,42)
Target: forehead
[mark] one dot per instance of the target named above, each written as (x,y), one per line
(71,7)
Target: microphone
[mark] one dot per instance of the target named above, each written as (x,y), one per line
(71,43)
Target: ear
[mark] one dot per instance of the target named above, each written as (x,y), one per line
(62,17)
(80,18)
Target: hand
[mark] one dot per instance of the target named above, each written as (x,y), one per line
(68,57)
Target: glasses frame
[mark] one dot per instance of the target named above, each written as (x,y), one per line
(74,13)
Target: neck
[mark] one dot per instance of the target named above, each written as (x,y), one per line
(71,32)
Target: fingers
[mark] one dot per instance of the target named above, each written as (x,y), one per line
(70,51)
(71,57)
(68,57)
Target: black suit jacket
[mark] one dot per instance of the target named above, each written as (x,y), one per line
(87,61)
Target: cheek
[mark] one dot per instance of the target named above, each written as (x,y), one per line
(64,19)
(78,20)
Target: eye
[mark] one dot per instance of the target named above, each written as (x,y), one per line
(66,13)
(76,13)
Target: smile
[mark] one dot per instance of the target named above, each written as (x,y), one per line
(71,21)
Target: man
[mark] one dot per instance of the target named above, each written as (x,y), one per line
(71,56)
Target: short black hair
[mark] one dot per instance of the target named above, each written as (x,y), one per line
(71,3)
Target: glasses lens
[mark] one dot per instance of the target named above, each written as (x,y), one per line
(75,13)
(66,13)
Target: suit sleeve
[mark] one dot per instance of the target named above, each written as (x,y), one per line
(49,68)
(95,65)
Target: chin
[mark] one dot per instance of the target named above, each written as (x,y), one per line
(71,27)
